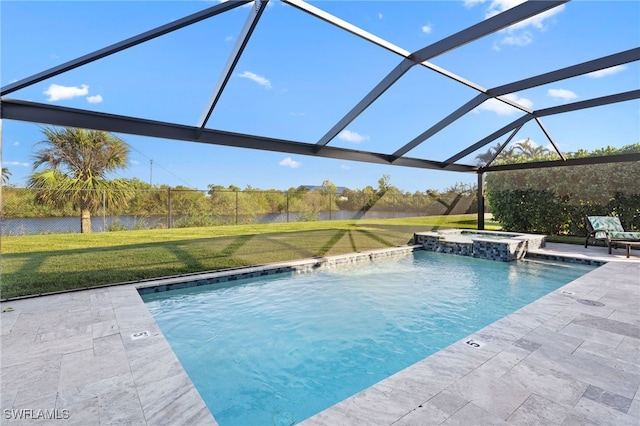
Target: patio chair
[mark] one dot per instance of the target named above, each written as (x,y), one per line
(609,230)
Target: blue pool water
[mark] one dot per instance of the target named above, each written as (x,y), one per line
(277,350)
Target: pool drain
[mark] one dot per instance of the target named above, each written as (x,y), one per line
(590,302)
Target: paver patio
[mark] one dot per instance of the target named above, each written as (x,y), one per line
(97,357)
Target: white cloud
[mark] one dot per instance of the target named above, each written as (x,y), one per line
(57,92)
(519,40)
(228,38)
(471,3)
(516,34)
(257,78)
(289,162)
(16,143)
(502,108)
(250,4)
(607,71)
(297,114)
(16,163)
(380,16)
(134,162)
(538,21)
(345,167)
(95,99)
(563,94)
(427,29)
(349,136)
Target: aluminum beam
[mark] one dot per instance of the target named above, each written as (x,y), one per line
(334,20)
(568,72)
(589,103)
(234,57)
(377,91)
(61,116)
(503,146)
(480,198)
(125,44)
(550,77)
(584,161)
(546,133)
(511,126)
(435,165)
(473,103)
(359,32)
(575,106)
(488,26)
(42,113)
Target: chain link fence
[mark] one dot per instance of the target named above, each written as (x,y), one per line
(31,211)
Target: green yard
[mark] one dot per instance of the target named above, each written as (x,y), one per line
(37,264)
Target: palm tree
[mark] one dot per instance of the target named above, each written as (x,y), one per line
(530,150)
(506,154)
(78,162)
(6,174)
(484,157)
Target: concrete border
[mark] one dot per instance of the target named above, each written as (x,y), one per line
(97,357)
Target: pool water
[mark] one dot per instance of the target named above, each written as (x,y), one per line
(280,349)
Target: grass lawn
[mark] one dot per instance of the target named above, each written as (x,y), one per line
(39,264)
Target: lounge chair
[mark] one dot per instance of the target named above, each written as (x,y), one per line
(609,230)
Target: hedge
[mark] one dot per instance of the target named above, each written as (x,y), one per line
(554,201)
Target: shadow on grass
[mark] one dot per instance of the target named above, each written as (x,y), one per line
(376,238)
(59,270)
(192,262)
(352,241)
(278,241)
(337,236)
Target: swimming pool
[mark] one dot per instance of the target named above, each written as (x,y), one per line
(277,350)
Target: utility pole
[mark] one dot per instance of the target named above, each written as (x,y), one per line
(151,172)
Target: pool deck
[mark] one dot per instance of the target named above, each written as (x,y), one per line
(97,357)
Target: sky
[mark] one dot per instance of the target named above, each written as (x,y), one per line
(299,76)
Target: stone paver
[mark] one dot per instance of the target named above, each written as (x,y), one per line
(73,359)
(97,357)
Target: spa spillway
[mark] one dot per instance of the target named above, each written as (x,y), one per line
(492,245)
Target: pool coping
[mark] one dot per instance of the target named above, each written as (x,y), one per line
(99,355)
(298,266)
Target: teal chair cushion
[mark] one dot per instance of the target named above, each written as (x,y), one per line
(625,235)
(612,225)
(606,223)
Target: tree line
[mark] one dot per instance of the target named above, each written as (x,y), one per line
(71,174)
(71,170)
(220,205)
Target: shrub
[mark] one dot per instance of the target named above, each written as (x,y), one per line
(556,200)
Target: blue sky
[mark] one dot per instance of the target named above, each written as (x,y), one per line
(299,76)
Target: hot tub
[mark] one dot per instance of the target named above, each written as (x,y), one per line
(492,245)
